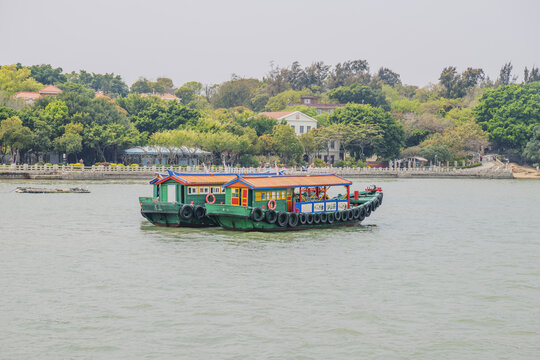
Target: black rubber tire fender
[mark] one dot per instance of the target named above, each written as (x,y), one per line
(186,212)
(331,218)
(368,209)
(302,218)
(351,214)
(310,218)
(270,216)
(356,212)
(293,219)
(337,216)
(257,214)
(362,213)
(324,218)
(199,212)
(317,218)
(282,218)
(375,204)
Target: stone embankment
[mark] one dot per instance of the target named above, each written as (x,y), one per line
(489,170)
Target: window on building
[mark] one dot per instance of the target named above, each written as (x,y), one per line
(203,190)
(308,128)
(307,101)
(192,190)
(332,144)
(293,127)
(216,190)
(319,111)
(301,129)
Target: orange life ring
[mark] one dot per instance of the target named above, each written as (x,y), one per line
(213,198)
(272,204)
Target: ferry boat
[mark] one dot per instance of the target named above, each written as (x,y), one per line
(179,200)
(291,202)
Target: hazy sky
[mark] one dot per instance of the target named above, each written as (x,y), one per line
(207,41)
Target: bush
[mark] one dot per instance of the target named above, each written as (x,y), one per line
(319,163)
(340,164)
(134,165)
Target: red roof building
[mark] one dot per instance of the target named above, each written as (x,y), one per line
(50,90)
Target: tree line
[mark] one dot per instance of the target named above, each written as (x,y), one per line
(98,115)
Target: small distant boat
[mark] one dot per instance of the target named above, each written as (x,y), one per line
(29,190)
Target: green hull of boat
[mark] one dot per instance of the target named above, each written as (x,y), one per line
(233,217)
(168,214)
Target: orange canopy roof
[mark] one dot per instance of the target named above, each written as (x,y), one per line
(291,181)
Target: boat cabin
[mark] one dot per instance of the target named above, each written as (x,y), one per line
(298,193)
(190,188)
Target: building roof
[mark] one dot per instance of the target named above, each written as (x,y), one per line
(169,97)
(288,181)
(276,114)
(27,95)
(50,89)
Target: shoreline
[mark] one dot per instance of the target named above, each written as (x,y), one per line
(147,175)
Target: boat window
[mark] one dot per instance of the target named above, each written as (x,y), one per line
(273,195)
(234,192)
(192,190)
(203,190)
(283,194)
(216,190)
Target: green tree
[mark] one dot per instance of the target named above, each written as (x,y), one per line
(236,92)
(505,75)
(13,79)
(283,99)
(286,144)
(71,141)
(392,130)
(141,86)
(56,115)
(46,74)
(388,77)
(509,114)
(360,94)
(14,135)
(532,149)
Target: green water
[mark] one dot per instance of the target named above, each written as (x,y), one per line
(444,269)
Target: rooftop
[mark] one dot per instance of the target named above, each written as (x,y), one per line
(50,89)
(289,181)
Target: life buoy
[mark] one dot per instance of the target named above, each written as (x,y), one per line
(272,204)
(210,196)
